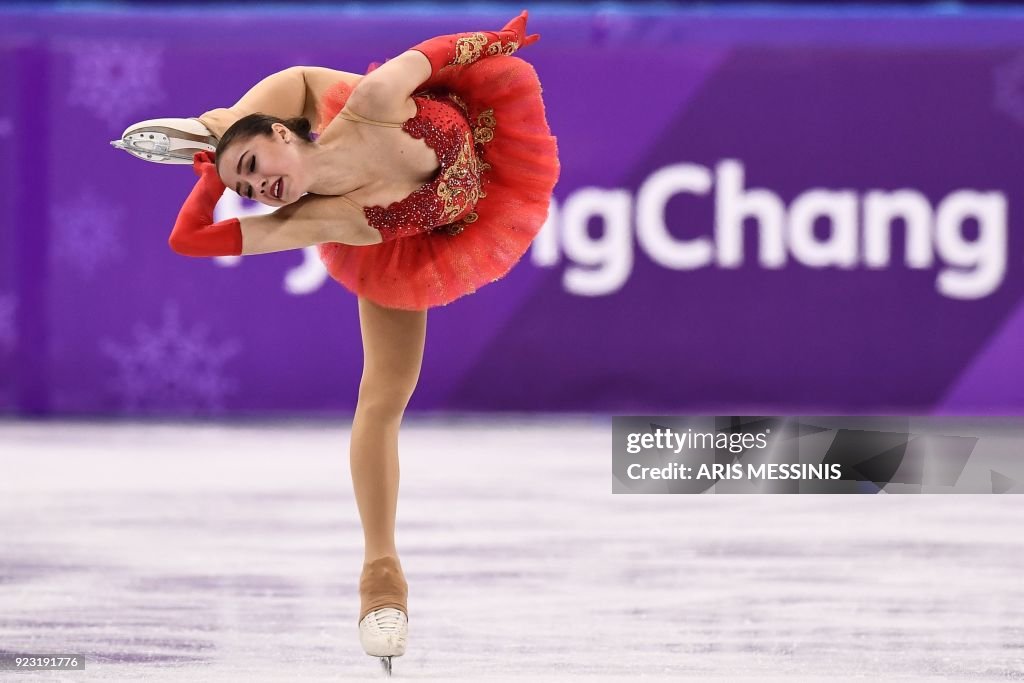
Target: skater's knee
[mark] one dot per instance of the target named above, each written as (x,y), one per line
(383,401)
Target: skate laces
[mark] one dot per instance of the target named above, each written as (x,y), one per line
(388,619)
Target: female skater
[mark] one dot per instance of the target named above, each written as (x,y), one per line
(426,179)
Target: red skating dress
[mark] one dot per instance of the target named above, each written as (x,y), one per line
(476,218)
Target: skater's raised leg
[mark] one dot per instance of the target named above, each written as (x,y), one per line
(296,91)
(287,94)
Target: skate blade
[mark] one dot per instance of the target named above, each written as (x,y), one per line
(149,154)
(385,663)
(158,147)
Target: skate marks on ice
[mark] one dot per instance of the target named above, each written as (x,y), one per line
(227,553)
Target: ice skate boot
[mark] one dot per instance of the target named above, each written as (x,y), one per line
(166,141)
(383,616)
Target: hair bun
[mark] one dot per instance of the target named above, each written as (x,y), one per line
(262,124)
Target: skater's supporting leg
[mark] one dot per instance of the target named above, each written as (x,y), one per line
(296,91)
(392,356)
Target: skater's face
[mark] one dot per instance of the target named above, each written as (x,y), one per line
(266,168)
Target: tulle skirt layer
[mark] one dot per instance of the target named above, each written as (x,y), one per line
(502,100)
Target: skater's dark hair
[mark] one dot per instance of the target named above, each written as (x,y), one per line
(261,124)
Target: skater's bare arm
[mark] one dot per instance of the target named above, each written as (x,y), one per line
(313,219)
(296,91)
(385,93)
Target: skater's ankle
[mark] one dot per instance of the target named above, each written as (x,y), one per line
(369,558)
(382,584)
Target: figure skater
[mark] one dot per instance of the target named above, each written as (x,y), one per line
(419,183)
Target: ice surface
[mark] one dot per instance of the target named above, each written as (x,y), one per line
(175,552)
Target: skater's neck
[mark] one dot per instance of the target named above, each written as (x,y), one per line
(334,172)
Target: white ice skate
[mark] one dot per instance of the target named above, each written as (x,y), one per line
(166,141)
(382,633)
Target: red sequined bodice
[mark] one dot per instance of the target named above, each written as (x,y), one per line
(448,199)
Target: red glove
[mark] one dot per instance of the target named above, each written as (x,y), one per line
(466,48)
(195,233)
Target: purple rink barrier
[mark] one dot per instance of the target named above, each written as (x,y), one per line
(762,214)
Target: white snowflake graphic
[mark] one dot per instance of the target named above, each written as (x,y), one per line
(8,329)
(115,79)
(85,232)
(171,370)
(1009,88)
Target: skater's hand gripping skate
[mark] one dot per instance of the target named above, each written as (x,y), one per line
(201,161)
(195,233)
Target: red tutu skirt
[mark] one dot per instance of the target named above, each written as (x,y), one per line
(435,268)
